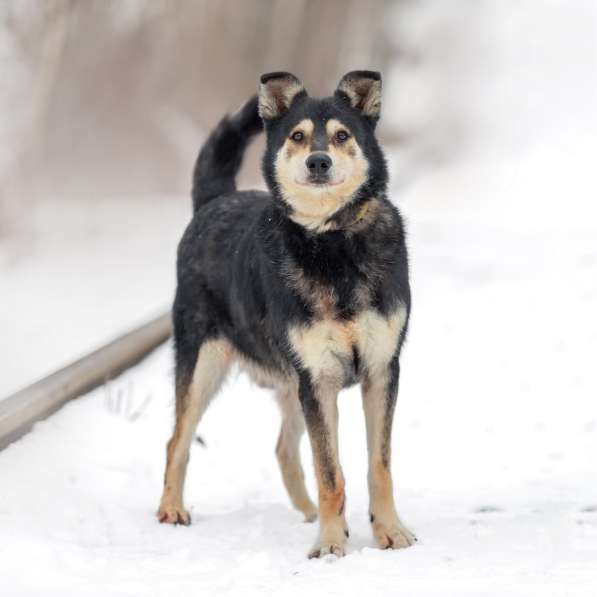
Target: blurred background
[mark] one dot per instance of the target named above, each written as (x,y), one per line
(488,116)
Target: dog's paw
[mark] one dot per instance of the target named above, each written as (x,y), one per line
(174,515)
(392,536)
(331,541)
(321,550)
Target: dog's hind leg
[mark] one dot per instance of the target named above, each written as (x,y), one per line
(379,400)
(193,394)
(288,451)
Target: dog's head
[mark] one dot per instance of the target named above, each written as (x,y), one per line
(321,154)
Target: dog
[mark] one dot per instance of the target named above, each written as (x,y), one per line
(307,287)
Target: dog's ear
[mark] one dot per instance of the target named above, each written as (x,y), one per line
(277,92)
(362,89)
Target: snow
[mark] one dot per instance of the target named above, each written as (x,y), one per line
(496,429)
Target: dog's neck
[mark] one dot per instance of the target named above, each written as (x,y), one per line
(355,215)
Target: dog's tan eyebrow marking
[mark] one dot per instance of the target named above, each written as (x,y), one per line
(306,126)
(332,126)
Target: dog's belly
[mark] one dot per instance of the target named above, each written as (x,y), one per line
(264,377)
(342,350)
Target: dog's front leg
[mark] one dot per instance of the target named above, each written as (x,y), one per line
(380,390)
(319,402)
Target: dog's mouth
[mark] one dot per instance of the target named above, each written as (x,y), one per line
(319,183)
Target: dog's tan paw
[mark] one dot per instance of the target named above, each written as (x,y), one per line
(174,515)
(392,536)
(321,550)
(331,541)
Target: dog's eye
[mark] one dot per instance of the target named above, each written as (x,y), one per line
(342,136)
(297,136)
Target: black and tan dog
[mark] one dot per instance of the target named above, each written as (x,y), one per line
(306,286)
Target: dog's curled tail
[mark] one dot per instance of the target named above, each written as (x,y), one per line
(221,156)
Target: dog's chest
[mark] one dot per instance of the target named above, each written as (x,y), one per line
(330,347)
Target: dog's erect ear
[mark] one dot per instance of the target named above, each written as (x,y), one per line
(276,94)
(362,88)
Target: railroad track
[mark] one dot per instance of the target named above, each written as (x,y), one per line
(21,410)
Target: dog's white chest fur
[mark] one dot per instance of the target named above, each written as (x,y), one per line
(325,345)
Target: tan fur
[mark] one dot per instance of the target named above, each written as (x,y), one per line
(313,205)
(322,346)
(378,337)
(288,451)
(212,364)
(387,527)
(332,537)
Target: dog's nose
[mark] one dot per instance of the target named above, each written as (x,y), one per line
(319,163)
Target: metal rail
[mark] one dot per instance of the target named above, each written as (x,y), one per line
(21,410)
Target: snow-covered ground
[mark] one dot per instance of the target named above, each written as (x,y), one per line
(496,430)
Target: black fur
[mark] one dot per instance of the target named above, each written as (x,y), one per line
(221,156)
